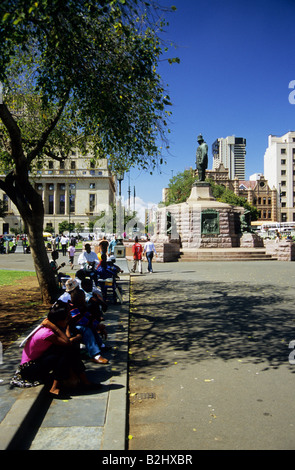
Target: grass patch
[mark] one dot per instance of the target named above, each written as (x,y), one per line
(11,277)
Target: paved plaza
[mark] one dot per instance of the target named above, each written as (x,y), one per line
(208,365)
(210,358)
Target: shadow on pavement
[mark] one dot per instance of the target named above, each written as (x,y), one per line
(208,319)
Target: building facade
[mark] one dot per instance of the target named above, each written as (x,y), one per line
(75,190)
(279,170)
(256,191)
(231,152)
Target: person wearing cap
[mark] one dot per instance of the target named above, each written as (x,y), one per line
(114,267)
(71,284)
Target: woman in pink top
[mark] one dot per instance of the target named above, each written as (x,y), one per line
(51,349)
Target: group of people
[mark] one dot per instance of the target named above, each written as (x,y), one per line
(52,353)
(138,250)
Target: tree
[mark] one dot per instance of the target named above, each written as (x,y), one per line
(180,187)
(76,73)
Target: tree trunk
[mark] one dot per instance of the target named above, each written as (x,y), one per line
(44,272)
(30,207)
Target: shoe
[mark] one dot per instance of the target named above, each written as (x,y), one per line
(101,360)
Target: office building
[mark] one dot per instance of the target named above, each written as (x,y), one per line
(279,170)
(230,151)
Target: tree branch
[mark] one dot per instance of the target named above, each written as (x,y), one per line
(43,139)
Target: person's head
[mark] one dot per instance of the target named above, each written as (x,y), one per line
(112,259)
(54,255)
(86,285)
(78,298)
(136,239)
(59,313)
(71,284)
(87,247)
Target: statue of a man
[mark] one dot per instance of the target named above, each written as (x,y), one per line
(202,158)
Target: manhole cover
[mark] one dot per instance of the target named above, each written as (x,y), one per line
(144,396)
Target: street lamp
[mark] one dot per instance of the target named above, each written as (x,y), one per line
(120,177)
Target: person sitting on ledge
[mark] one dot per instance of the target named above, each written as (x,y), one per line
(88,326)
(51,348)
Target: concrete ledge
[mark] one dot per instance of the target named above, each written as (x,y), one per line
(13,426)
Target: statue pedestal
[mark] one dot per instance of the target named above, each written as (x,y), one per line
(251,240)
(201,190)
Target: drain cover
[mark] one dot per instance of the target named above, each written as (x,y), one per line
(144,396)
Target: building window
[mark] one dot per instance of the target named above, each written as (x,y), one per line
(73,165)
(72,203)
(283,151)
(269,201)
(62,165)
(50,165)
(283,183)
(92,185)
(50,204)
(62,204)
(5,203)
(283,172)
(91,202)
(283,162)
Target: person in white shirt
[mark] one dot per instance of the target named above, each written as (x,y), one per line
(88,260)
(64,244)
(149,250)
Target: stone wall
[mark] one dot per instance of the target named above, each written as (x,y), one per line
(283,250)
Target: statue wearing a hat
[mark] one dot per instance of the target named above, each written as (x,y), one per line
(202,158)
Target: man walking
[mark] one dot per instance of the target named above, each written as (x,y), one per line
(137,256)
(149,250)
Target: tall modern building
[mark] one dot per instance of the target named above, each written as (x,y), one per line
(231,152)
(279,170)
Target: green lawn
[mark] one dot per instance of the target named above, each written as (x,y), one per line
(11,277)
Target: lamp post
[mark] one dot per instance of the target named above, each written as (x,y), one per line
(120,226)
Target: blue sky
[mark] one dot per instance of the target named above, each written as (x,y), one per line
(236,61)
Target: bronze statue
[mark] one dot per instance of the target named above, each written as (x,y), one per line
(202,158)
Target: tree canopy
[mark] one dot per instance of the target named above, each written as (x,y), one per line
(83,74)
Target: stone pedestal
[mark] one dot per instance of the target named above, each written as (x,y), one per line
(200,191)
(200,222)
(251,240)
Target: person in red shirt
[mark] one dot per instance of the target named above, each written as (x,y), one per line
(137,256)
